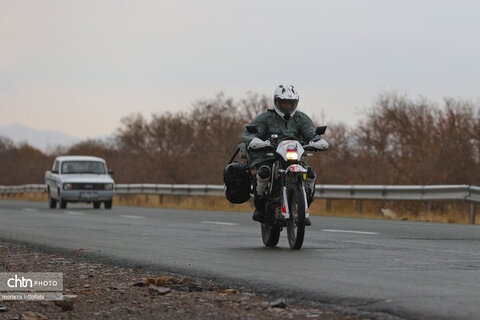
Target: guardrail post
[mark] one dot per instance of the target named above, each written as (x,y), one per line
(359,206)
(429,206)
(328,205)
(472,213)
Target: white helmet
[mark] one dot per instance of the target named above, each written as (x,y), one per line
(285,93)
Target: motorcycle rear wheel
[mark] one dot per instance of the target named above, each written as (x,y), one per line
(296,223)
(270,235)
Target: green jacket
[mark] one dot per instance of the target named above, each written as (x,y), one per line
(269,122)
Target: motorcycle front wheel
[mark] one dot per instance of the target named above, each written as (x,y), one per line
(296,223)
(270,234)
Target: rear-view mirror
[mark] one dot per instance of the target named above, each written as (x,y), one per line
(252,129)
(321,130)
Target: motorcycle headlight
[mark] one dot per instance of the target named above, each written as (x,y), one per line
(108,186)
(292,155)
(67,186)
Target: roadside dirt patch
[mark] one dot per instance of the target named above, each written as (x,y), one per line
(101,291)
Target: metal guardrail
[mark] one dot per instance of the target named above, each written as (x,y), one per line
(352,192)
(405,192)
(171,189)
(137,188)
(23,188)
(325,191)
(474,194)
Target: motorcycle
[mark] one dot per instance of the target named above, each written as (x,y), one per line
(286,205)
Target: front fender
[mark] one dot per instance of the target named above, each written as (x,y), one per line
(295,168)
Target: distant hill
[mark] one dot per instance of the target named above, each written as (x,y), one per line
(40,139)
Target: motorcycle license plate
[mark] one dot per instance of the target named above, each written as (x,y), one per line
(88,195)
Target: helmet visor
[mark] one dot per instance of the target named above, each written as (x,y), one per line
(287,105)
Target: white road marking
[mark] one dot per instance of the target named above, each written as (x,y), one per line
(221,223)
(349,231)
(133,217)
(30,210)
(74,212)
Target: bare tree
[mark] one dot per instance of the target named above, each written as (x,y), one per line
(399,141)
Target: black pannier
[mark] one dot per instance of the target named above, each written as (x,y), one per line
(236,177)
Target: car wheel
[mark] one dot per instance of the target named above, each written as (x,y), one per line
(52,203)
(63,204)
(108,204)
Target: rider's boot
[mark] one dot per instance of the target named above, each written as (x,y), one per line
(263,176)
(259,214)
(309,202)
(310,190)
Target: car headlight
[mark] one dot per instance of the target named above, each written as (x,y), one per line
(108,186)
(292,155)
(67,186)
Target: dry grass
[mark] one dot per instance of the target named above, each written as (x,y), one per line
(181,202)
(26,196)
(444,212)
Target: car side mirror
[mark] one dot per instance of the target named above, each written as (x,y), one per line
(321,130)
(252,129)
(54,171)
(111,172)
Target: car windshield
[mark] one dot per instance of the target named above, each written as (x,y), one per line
(71,167)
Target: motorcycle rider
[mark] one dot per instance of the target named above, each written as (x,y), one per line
(285,121)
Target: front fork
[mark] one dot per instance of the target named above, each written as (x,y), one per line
(285,209)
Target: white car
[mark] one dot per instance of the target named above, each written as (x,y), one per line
(80,179)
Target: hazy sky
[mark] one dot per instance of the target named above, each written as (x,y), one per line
(80,66)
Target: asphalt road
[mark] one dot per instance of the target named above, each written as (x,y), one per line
(406,269)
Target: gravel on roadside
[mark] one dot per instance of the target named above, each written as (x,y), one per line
(95,290)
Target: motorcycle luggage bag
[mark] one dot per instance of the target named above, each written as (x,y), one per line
(236,177)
